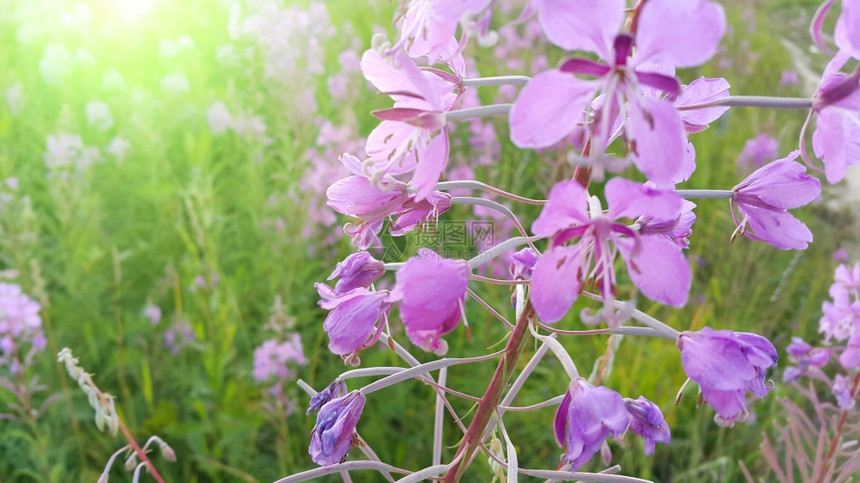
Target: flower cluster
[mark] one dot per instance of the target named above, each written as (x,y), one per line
(629,107)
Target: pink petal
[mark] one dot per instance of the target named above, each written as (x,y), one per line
(431,166)
(589,25)
(659,270)
(392,136)
(556,282)
(548,109)
(657,136)
(628,199)
(567,206)
(685,33)
(781,184)
(836,140)
(779,228)
(701,91)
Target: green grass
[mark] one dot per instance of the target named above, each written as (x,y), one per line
(95,249)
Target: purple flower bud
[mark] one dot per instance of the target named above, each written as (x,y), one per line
(334,430)
(333,390)
(357,270)
(523,264)
(431,290)
(726,365)
(798,347)
(352,319)
(586,417)
(647,421)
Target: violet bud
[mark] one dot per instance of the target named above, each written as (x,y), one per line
(333,390)
(357,270)
(333,433)
(167,452)
(647,421)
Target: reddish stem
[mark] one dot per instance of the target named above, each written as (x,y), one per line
(634,19)
(490,401)
(140,453)
(842,419)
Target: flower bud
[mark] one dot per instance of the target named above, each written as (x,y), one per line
(333,433)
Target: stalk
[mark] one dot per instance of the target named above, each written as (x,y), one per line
(490,401)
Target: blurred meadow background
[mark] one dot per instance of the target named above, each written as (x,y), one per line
(164,167)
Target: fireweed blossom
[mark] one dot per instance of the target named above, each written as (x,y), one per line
(670,34)
(404,141)
(427,27)
(431,291)
(764,197)
(655,262)
(585,418)
(351,322)
(334,430)
(357,197)
(726,365)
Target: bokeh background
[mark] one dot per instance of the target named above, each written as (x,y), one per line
(164,167)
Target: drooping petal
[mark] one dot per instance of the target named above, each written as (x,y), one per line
(659,270)
(567,206)
(556,282)
(685,33)
(628,199)
(355,196)
(657,137)
(836,140)
(589,25)
(779,228)
(548,108)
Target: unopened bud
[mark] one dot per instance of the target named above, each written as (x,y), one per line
(131,462)
(167,452)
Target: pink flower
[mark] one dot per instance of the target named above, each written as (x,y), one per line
(655,263)
(272,358)
(427,27)
(758,150)
(351,322)
(670,34)
(585,418)
(431,291)
(726,365)
(764,197)
(405,135)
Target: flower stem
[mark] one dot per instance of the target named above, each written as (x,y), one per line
(480,111)
(834,443)
(705,194)
(502,80)
(487,407)
(753,101)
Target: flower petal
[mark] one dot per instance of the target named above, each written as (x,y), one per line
(567,206)
(657,136)
(659,270)
(556,282)
(589,25)
(685,33)
(548,108)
